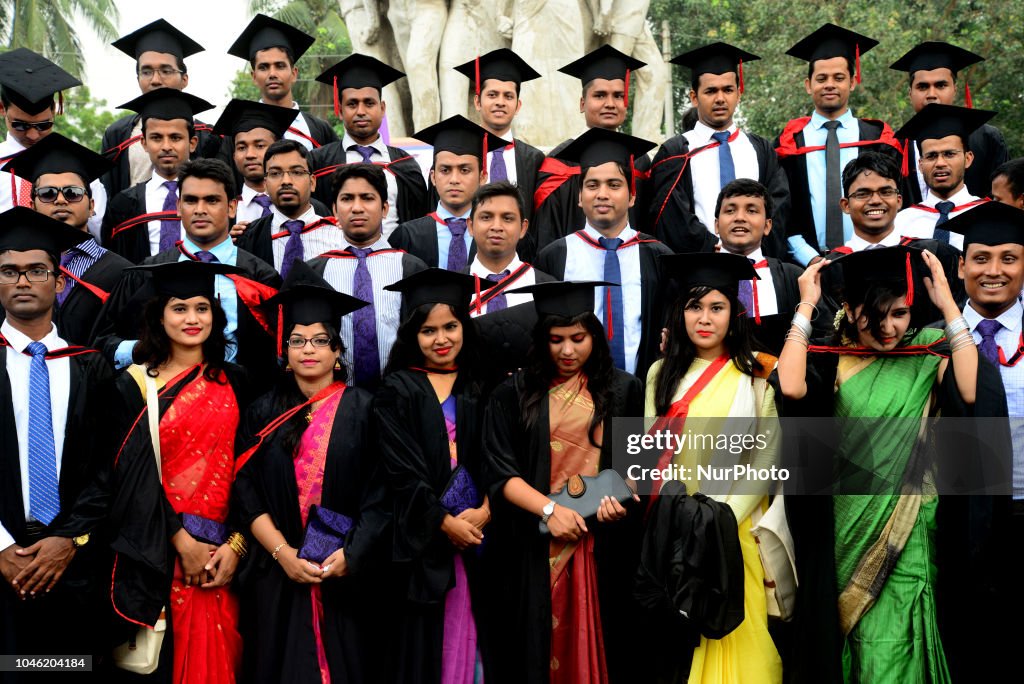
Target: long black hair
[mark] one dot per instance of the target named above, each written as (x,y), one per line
(541,369)
(877,300)
(406,350)
(154,346)
(680,350)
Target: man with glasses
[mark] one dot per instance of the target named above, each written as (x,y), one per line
(293,231)
(159,51)
(942,133)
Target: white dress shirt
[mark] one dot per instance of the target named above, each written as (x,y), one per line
(248,209)
(508,155)
(528,278)
(764,287)
(705,168)
(18,368)
(299,124)
(156,193)
(380,154)
(314,242)
(919,223)
(859,244)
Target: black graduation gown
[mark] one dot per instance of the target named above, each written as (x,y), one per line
(321,132)
(419,238)
(124,232)
(415,452)
(412,188)
(670,210)
(77,315)
(652,295)
(518,573)
(772,330)
(70,619)
(121,317)
(276,617)
(990,152)
(114,148)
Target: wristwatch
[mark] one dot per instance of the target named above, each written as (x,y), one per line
(546,512)
(80,541)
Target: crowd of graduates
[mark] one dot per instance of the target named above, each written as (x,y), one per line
(278,408)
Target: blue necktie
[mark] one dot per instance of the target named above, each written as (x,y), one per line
(941,234)
(726,169)
(745,294)
(43,498)
(612,274)
(366,360)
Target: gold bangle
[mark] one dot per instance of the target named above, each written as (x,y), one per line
(277,549)
(237,543)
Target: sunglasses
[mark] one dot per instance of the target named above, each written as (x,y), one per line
(22,126)
(48,193)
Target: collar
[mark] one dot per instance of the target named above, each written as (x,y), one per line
(10,147)
(347,142)
(1010,319)
(845,121)
(857,243)
(755,256)
(20,341)
(626,235)
(295,103)
(277,218)
(226,252)
(90,247)
(704,132)
(962,196)
(156,183)
(508,137)
(443,212)
(478,269)
(381,243)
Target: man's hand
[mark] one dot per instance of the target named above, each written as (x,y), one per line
(52,556)
(11,563)
(238,229)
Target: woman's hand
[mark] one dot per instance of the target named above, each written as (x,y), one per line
(938,287)
(461,533)
(810,282)
(335,565)
(610,510)
(195,555)
(221,568)
(566,524)
(478,517)
(297,569)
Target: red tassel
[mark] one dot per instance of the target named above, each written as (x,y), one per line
(857,57)
(476,79)
(337,104)
(967,95)
(741,76)
(483,160)
(608,307)
(910,282)
(479,304)
(905,165)
(280,329)
(625,98)
(60,103)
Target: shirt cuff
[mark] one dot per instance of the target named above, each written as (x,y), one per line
(123,354)
(800,250)
(5,538)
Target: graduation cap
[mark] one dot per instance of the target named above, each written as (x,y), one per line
(22,229)
(718,270)
(439,286)
(599,145)
(241,116)
(501,65)
(833,41)
(186,279)
(605,62)
(358,71)
(167,104)
(716,58)
(564,299)
(936,54)
(899,265)
(989,223)
(57,154)
(158,36)
(938,121)
(459,135)
(30,81)
(265,32)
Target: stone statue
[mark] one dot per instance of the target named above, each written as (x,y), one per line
(420,26)
(471,30)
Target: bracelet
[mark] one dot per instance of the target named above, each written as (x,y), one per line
(278,549)
(798,337)
(810,304)
(237,544)
(957,325)
(801,323)
(961,340)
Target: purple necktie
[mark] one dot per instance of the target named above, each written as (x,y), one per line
(206,257)
(988,347)
(366,153)
(365,357)
(457,257)
(293,249)
(498,302)
(170,230)
(497,171)
(264,202)
(746,295)
(65,261)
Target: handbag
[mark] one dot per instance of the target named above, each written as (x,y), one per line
(583,494)
(460,493)
(141,653)
(325,533)
(203,529)
(775,546)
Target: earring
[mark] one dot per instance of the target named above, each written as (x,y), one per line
(337,363)
(288,369)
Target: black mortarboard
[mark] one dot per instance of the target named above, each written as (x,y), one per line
(833,41)
(439,286)
(459,135)
(158,36)
(565,299)
(186,279)
(599,145)
(718,270)
(167,104)
(716,58)
(265,32)
(57,154)
(990,223)
(22,229)
(357,71)
(605,62)
(935,54)
(30,80)
(900,265)
(243,115)
(501,64)
(939,120)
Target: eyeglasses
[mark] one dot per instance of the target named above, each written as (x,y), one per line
(319,342)
(11,276)
(146,73)
(865,194)
(23,126)
(47,194)
(948,155)
(295,174)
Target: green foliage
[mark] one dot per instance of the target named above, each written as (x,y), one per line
(774,85)
(46,27)
(84,119)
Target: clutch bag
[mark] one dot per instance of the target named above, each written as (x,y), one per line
(325,533)
(460,493)
(204,529)
(583,494)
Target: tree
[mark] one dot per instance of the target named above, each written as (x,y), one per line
(84,119)
(46,27)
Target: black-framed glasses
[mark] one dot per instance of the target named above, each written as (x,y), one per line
(864,194)
(47,194)
(11,276)
(146,73)
(278,174)
(318,341)
(23,126)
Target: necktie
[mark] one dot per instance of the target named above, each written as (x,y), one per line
(457,257)
(170,230)
(612,274)
(65,262)
(44,502)
(941,234)
(746,295)
(496,171)
(833,188)
(497,302)
(206,257)
(293,249)
(988,347)
(726,169)
(364,325)
(264,202)
(365,152)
